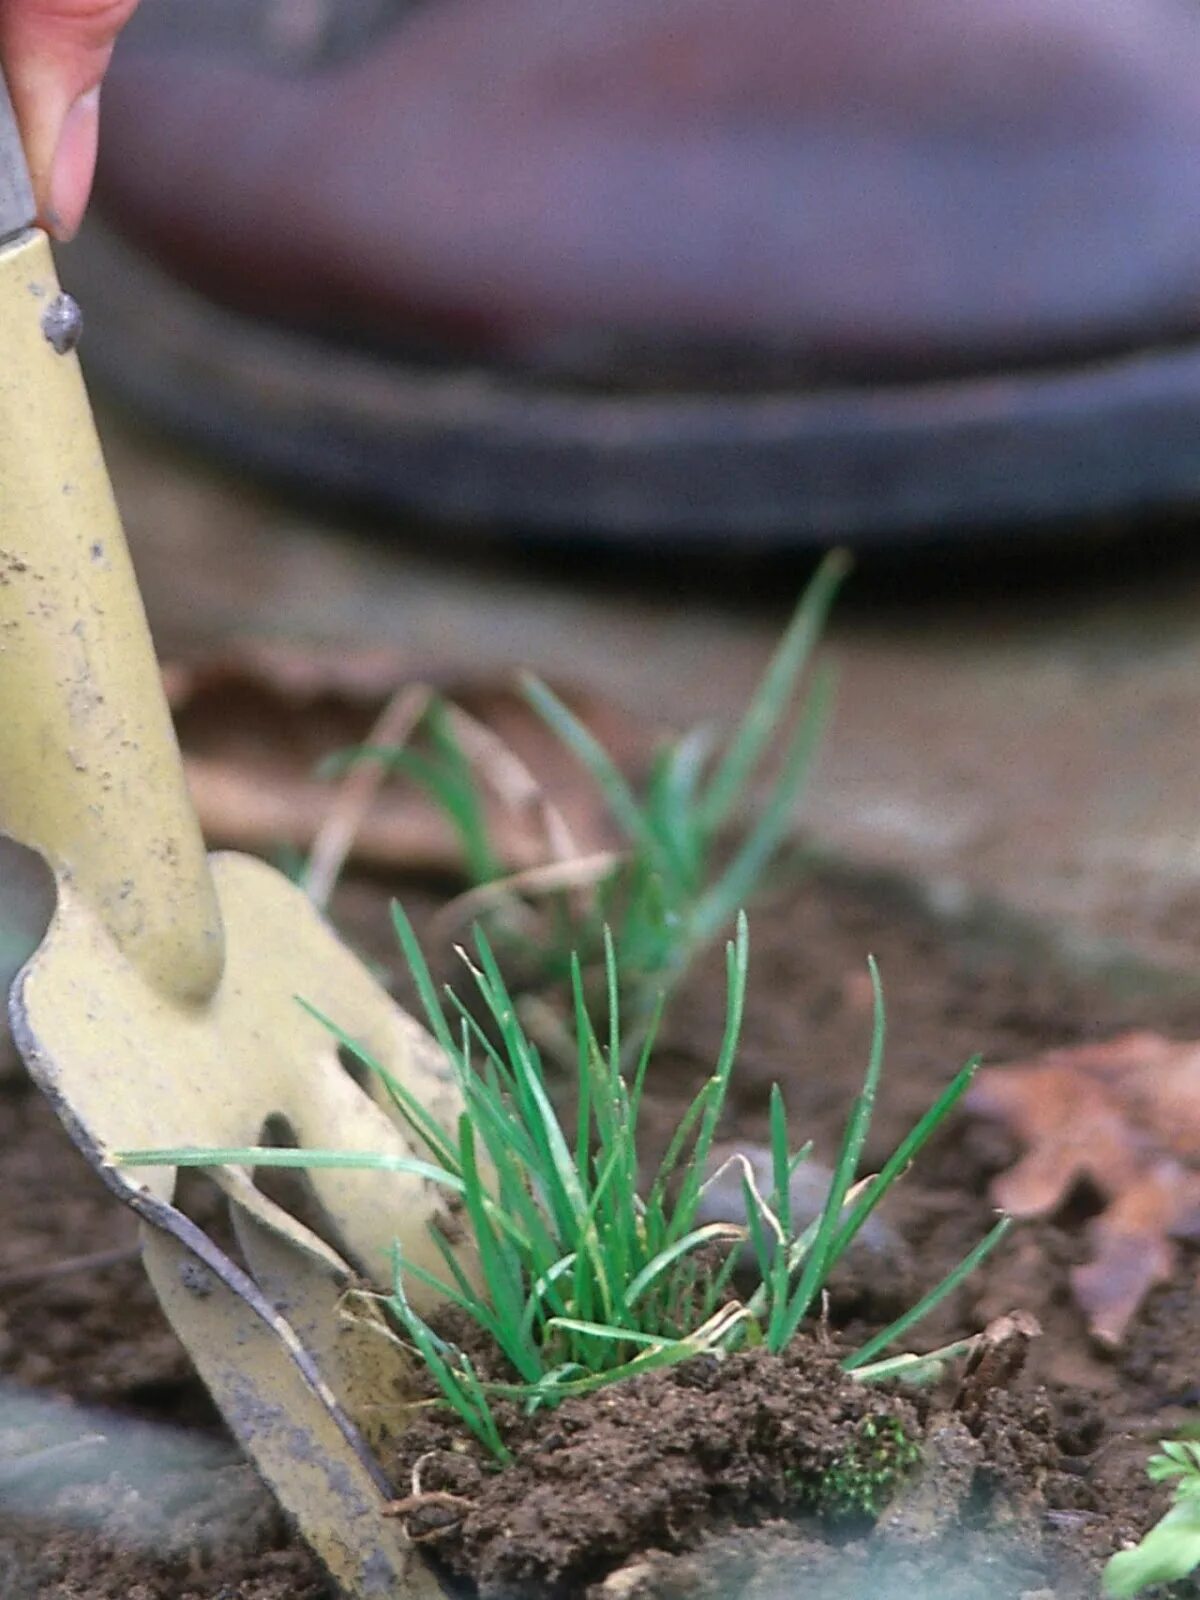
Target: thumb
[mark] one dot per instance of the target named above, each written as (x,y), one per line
(55,53)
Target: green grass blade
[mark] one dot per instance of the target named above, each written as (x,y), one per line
(473,1033)
(605,773)
(913,1370)
(273,1156)
(458,1277)
(512,1206)
(781,1165)
(601,1266)
(645,1053)
(476,1394)
(432,1135)
(552,1167)
(446,776)
(765,1253)
(678,1141)
(771,700)
(478,1310)
(799,1158)
(541,1292)
(737,954)
(618,1221)
(557,1163)
(339,762)
(735,886)
(665,1259)
(422,978)
(453,789)
(501,1271)
(583,1066)
(604,1331)
(671,807)
(612,994)
(467,809)
(898,1329)
(665,1355)
(469,1401)
(337,1160)
(772,1258)
(816,1265)
(903,1156)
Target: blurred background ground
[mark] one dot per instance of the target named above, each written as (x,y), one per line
(1016,722)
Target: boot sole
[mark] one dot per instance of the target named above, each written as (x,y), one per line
(469,445)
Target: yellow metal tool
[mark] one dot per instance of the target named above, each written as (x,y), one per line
(160,1010)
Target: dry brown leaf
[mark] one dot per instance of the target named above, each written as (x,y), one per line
(1124,1117)
(256,721)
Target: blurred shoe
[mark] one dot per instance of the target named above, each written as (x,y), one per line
(695,269)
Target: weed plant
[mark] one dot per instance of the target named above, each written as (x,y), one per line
(685,870)
(1171,1549)
(586,1275)
(864,1478)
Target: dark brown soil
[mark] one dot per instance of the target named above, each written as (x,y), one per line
(605,1491)
(645,1463)
(1025,1494)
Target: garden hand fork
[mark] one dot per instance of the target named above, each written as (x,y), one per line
(160,1010)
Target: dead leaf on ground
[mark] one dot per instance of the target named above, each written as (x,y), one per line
(255,723)
(1124,1117)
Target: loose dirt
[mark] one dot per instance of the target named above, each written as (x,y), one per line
(1028,1487)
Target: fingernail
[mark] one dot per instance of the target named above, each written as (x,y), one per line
(73,167)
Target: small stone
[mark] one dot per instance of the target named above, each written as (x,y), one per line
(625,1583)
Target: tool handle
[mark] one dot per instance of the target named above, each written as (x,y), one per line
(90,773)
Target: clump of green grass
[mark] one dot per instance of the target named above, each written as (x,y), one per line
(685,870)
(586,1274)
(675,892)
(1171,1549)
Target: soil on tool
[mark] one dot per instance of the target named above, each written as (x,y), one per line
(698,1482)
